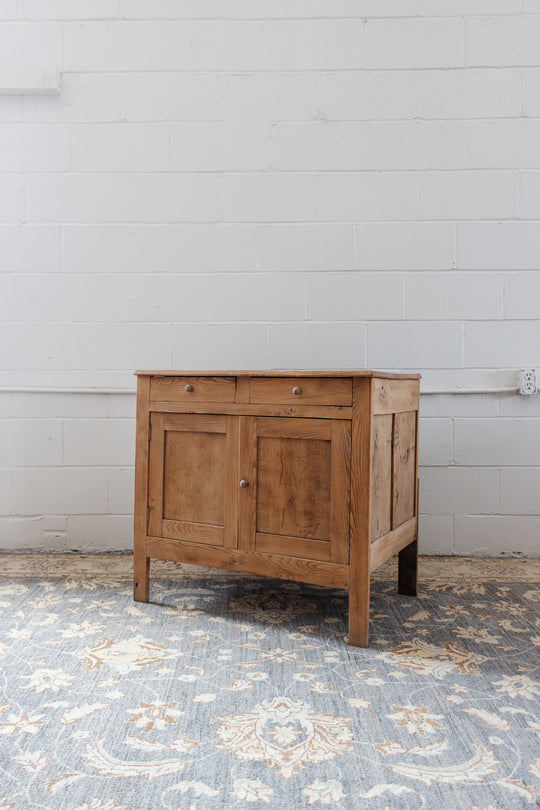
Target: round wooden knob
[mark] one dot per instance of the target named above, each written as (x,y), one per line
(244,483)
(188,388)
(297,390)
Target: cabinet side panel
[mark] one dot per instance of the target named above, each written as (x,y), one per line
(395,396)
(404,468)
(381,485)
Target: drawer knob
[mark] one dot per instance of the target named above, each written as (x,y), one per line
(244,483)
(188,388)
(297,390)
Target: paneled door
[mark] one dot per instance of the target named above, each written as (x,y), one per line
(294,487)
(192,492)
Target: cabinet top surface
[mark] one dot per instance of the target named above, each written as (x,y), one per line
(281,373)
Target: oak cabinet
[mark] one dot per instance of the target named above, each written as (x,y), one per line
(309,476)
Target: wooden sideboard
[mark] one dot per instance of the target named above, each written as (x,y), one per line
(301,475)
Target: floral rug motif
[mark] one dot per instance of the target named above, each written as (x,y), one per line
(231,691)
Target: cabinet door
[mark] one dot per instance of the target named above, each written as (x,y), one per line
(193,478)
(296,501)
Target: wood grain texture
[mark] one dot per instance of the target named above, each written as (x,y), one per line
(323,373)
(193,532)
(381,482)
(385,547)
(295,428)
(189,493)
(340,490)
(314,411)
(182,497)
(199,389)
(247,497)
(141,561)
(232,476)
(360,527)
(242,389)
(393,397)
(198,422)
(293,546)
(252,562)
(404,468)
(156,473)
(293,487)
(310,391)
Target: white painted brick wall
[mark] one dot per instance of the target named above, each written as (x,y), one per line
(531,95)
(306,247)
(481,93)
(102,298)
(39,148)
(469,195)
(449,295)
(522,298)
(504,343)
(503,41)
(354,296)
(220,147)
(369,196)
(530,195)
(429,345)
(211,345)
(328,345)
(415,43)
(270,183)
(468,490)
(405,246)
(216,45)
(267,96)
(120,148)
(71,197)
(113,46)
(435,443)
(500,535)
(30,43)
(12,198)
(257,297)
(271,197)
(172,197)
(494,144)
(369,95)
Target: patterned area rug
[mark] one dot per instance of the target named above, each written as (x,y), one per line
(232,691)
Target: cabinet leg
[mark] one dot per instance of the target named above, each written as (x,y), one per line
(359,613)
(141,577)
(408,570)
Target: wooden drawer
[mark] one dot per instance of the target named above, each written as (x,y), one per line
(192,389)
(301,390)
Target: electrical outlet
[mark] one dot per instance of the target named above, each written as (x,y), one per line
(527,381)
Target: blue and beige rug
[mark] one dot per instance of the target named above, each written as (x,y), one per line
(230,691)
